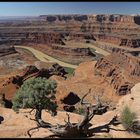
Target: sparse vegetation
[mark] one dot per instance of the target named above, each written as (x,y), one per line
(127,118)
(70,71)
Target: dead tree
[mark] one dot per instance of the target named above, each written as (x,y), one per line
(73,130)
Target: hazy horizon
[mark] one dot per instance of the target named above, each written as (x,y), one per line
(18,9)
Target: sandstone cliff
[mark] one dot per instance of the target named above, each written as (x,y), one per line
(122,30)
(121,71)
(94,18)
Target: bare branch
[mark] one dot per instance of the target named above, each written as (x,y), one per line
(91,116)
(33,119)
(68,117)
(97,99)
(28,132)
(82,100)
(81,128)
(29,111)
(68,122)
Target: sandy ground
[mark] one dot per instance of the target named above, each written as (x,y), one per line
(16,125)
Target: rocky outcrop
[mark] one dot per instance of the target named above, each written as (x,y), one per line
(52,42)
(64,18)
(119,40)
(71,99)
(29,72)
(113,75)
(81,36)
(74,51)
(94,18)
(137,19)
(132,102)
(119,70)
(6,50)
(22,37)
(4,102)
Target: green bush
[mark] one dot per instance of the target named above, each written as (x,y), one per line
(35,93)
(127,118)
(70,71)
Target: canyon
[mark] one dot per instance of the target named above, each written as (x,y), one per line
(58,36)
(80,52)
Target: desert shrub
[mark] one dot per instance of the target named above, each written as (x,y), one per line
(70,71)
(127,118)
(80,111)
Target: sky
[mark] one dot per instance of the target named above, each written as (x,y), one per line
(45,8)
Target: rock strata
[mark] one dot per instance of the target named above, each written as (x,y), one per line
(119,70)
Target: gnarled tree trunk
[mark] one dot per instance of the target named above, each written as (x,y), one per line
(73,130)
(39,121)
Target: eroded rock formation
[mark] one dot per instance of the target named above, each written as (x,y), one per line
(30,71)
(96,18)
(120,71)
(122,30)
(6,49)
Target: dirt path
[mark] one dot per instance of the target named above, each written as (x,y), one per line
(46,58)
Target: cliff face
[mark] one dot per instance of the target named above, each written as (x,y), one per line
(122,30)
(36,38)
(121,71)
(11,85)
(64,18)
(119,40)
(74,51)
(94,18)
(113,75)
(137,19)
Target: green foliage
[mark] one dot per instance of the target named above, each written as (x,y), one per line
(92,50)
(36,93)
(127,118)
(80,111)
(70,71)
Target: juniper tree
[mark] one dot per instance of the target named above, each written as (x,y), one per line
(37,94)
